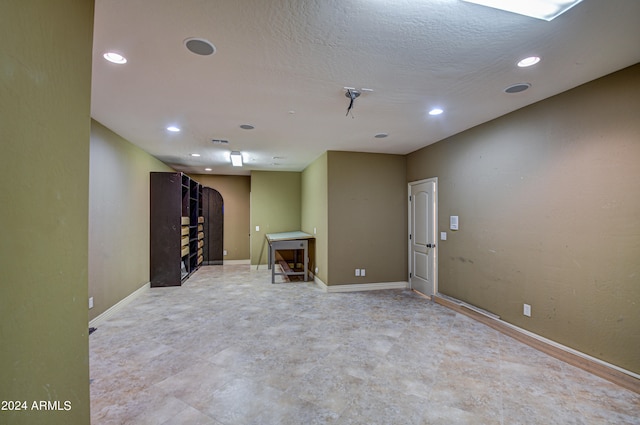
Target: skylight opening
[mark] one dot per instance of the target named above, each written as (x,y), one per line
(539,9)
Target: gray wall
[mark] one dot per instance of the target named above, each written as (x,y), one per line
(549,205)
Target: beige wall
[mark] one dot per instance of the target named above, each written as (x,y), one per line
(314,213)
(275,207)
(549,205)
(235,191)
(118,217)
(45,92)
(367,218)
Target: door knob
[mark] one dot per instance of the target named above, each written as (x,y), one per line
(431,245)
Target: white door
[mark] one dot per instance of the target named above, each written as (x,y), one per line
(422,236)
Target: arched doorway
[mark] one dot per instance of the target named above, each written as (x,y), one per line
(213,211)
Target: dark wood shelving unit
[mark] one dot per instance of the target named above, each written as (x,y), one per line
(175,223)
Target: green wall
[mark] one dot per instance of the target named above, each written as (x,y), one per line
(314,212)
(548,199)
(275,207)
(45,91)
(367,218)
(118,217)
(236,194)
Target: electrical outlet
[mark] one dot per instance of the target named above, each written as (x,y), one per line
(363,272)
(527,310)
(315,231)
(316,272)
(90,303)
(358,272)
(224,252)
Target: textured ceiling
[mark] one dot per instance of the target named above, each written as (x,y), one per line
(281,66)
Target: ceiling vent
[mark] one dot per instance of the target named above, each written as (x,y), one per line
(517,88)
(219,142)
(200,46)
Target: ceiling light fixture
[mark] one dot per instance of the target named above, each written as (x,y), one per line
(436,111)
(115,58)
(247,127)
(236,159)
(208,169)
(195,155)
(530,61)
(173,129)
(380,135)
(539,9)
(200,46)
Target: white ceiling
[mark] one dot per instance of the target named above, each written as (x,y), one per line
(281,66)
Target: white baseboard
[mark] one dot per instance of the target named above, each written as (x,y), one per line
(356,287)
(601,368)
(116,307)
(231,262)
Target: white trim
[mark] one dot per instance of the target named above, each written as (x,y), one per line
(433,180)
(119,305)
(537,337)
(356,287)
(320,283)
(232,262)
(568,349)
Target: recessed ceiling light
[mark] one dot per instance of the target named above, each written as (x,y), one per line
(200,46)
(517,88)
(195,154)
(208,169)
(530,61)
(380,135)
(173,128)
(115,58)
(436,111)
(539,9)
(247,127)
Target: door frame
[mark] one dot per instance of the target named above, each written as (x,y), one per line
(435,231)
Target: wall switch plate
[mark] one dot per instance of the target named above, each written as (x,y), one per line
(316,271)
(453,222)
(90,303)
(314,231)
(443,236)
(257,228)
(358,272)
(224,252)
(527,310)
(363,272)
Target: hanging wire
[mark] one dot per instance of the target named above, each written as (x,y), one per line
(351,94)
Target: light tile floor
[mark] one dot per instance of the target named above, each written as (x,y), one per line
(229,347)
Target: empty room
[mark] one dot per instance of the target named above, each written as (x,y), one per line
(330,212)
